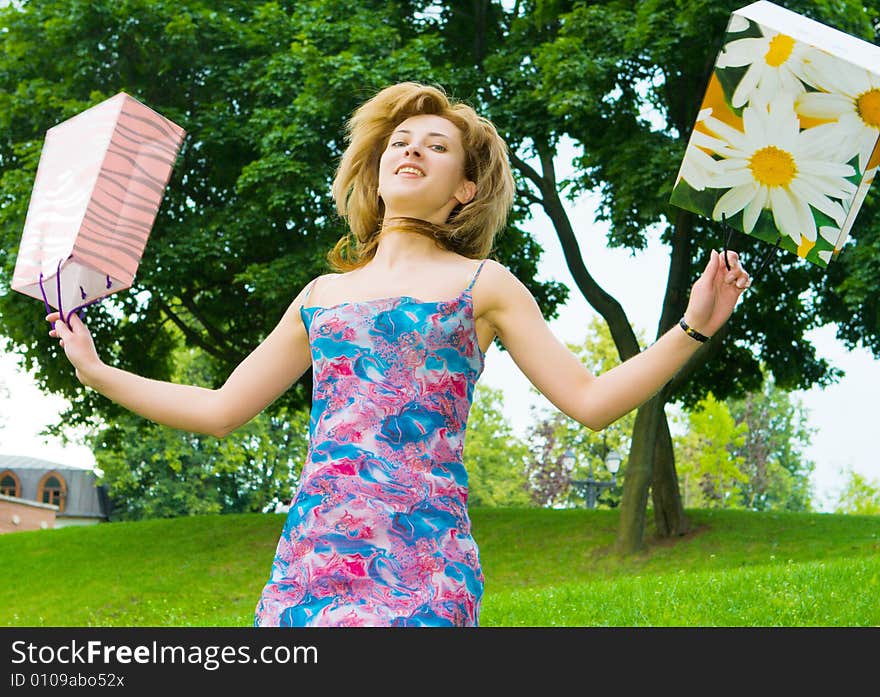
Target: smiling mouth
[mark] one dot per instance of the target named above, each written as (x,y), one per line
(407,169)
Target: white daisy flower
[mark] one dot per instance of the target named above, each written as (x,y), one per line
(697,168)
(775,165)
(851,97)
(775,64)
(737,24)
(830,233)
(826,256)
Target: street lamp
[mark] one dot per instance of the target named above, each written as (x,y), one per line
(590,488)
(612,464)
(568,460)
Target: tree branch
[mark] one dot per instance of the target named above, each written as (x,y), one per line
(220,337)
(194,337)
(677,290)
(606,305)
(528,172)
(545,154)
(529,196)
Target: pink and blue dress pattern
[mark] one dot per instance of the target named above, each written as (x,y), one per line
(378,532)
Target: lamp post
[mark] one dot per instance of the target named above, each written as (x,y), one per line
(590,488)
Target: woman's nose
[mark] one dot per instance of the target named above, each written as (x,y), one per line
(413,150)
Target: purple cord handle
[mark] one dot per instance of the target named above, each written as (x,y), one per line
(78,309)
(45,300)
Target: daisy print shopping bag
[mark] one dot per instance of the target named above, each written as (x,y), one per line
(785,144)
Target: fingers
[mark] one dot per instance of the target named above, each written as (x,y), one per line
(737,275)
(59,328)
(712,263)
(55,317)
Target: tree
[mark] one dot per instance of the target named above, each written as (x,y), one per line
(494,456)
(263,90)
(156,472)
(710,469)
(549,481)
(860,496)
(773,452)
(624,81)
(553,433)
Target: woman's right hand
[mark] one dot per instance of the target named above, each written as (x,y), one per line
(76,340)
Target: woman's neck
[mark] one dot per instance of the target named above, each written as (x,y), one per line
(399,248)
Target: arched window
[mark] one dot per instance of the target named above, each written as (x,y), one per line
(53,490)
(9,484)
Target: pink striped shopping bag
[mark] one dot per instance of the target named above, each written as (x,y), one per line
(100,180)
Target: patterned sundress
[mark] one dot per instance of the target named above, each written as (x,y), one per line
(378,532)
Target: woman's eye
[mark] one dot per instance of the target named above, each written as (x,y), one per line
(397,143)
(439,148)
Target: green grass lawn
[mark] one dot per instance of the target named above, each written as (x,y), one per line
(542,567)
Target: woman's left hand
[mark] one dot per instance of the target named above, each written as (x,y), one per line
(715,293)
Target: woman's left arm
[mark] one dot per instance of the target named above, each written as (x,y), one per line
(596,401)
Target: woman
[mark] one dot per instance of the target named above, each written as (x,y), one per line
(378,531)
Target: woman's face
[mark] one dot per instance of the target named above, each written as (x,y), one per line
(421,171)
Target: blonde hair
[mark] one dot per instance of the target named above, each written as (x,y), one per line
(470,229)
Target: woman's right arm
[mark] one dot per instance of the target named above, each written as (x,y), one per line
(270,370)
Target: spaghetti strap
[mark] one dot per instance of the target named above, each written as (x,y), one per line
(476,273)
(309,291)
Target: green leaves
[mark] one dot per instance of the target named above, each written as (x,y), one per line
(156,472)
(494,456)
(263,90)
(708,469)
(860,495)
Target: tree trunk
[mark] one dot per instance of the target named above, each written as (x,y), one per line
(639,472)
(651,439)
(669,517)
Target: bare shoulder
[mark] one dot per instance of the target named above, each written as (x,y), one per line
(326,278)
(502,296)
(498,283)
(313,290)
(496,277)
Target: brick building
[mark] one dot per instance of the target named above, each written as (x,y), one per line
(37,494)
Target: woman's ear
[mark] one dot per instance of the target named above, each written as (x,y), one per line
(466,192)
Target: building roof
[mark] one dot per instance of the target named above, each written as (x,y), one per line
(84,497)
(27,462)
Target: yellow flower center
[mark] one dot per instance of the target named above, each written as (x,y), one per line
(804,247)
(773,167)
(868,105)
(779,51)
